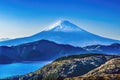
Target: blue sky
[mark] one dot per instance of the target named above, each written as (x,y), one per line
(19,18)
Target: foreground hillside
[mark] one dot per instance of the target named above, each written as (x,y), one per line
(70,66)
(108,71)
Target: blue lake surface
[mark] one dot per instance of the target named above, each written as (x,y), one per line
(8,70)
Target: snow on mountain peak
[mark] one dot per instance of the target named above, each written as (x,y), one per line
(64,26)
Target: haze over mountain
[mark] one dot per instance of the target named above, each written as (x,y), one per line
(4,39)
(64,32)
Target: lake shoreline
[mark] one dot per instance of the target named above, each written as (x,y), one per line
(25,67)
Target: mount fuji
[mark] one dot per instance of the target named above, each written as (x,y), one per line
(63,32)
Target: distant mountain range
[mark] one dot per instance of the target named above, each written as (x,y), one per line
(73,66)
(42,50)
(108,49)
(63,32)
(45,50)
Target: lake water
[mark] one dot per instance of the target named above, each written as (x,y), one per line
(8,70)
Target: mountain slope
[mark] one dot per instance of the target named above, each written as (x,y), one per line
(108,71)
(70,66)
(8,55)
(110,67)
(42,50)
(64,32)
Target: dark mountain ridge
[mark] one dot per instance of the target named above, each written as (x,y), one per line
(108,49)
(42,50)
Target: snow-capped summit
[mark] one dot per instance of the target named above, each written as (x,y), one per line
(64,32)
(64,26)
